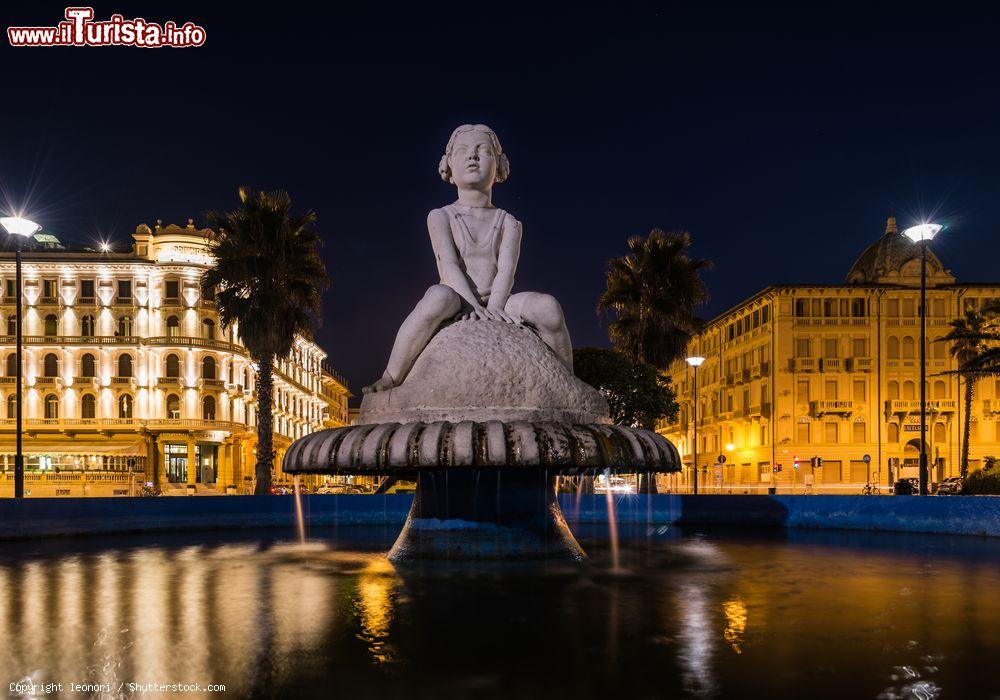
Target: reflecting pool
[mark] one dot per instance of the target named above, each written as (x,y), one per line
(695,613)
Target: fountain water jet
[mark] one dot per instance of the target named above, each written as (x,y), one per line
(478,402)
(300,521)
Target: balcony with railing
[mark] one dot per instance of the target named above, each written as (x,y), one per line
(831,364)
(913,405)
(859,364)
(991,406)
(803,364)
(127,424)
(821,408)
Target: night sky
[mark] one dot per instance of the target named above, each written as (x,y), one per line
(781,139)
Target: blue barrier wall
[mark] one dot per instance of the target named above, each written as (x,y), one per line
(43,517)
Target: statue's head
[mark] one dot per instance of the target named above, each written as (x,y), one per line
(474,158)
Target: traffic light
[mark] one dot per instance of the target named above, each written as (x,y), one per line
(816,462)
(795,462)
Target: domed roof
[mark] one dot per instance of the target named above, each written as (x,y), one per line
(887,256)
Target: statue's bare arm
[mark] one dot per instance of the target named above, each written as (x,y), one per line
(447,258)
(510,252)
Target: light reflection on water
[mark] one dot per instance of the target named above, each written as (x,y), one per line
(802,615)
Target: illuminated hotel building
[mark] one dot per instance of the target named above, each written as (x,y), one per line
(129,377)
(832,371)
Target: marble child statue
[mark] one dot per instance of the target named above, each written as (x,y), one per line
(476,246)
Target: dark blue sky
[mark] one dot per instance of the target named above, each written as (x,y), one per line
(779,137)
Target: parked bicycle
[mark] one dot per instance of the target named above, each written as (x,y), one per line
(871,490)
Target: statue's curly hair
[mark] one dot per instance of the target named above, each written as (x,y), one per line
(503,165)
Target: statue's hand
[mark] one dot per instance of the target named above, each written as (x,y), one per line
(478,313)
(501,315)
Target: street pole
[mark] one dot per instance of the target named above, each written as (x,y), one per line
(923,368)
(694,444)
(19,456)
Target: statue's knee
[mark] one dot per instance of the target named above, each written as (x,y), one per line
(441,300)
(547,312)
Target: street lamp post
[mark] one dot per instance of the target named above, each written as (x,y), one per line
(922,234)
(695,363)
(21,228)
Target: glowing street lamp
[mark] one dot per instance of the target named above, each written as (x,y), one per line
(922,234)
(695,362)
(21,229)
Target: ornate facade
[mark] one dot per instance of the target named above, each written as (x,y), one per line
(832,371)
(129,378)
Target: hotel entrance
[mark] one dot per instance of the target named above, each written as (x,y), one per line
(175,462)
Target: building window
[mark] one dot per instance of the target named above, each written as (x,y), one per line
(939,349)
(50,365)
(908,348)
(858,433)
(859,390)
(88,367)
(208,293)
(173,366)
(125,406)
(892,308)
(87,326)
(830,432)
(88,406)
(12,405)
(125,290)
(858,308)
(51,407)
(908,390)
(172,290)
(909,308)
(208,408)
(830,390)
(208,329)
(893,347)
(859,347)
(208,368)
(49,290)
(87,291)
(802,347)
(939,433)
(830,347)
(893,430)
(940,389)
(802,433)
(51,325)
(12,364)
(173,327)
(125,366)
(11,292)
(124,326)
(173,407)
(12,325)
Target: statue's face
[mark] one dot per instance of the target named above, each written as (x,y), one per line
(472,161)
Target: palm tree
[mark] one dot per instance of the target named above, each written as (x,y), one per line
(973,339)
(269,280)
(653,292)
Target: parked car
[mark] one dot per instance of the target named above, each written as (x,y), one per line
(952,486)
(340,488)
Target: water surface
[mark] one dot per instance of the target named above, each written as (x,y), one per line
(693,614)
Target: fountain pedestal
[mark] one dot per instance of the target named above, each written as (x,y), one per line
(486,420)
(485,514)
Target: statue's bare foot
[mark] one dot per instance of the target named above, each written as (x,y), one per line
(383,384)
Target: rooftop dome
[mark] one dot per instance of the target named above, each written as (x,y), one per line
(885,259)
